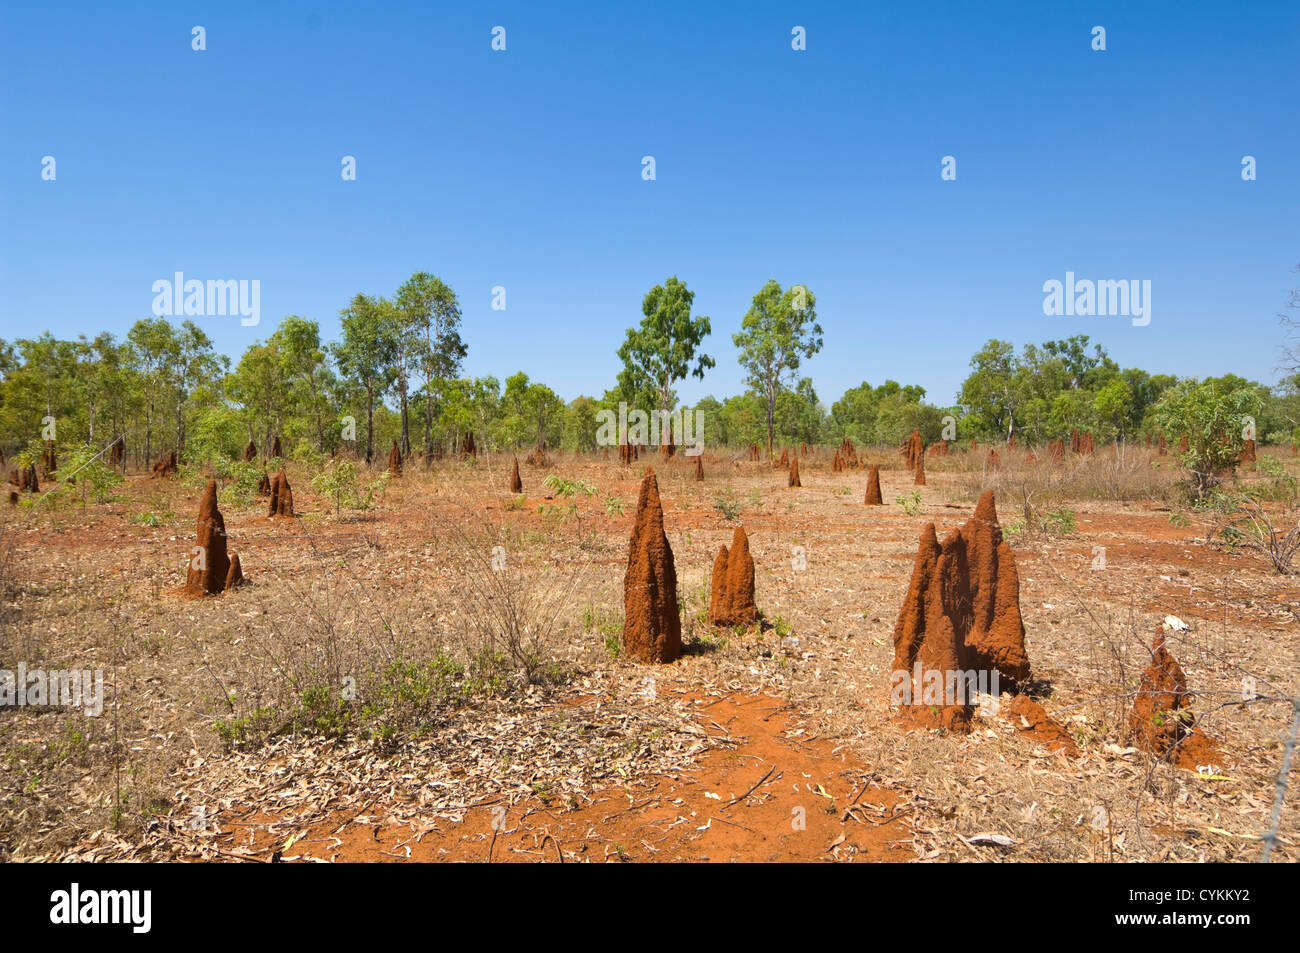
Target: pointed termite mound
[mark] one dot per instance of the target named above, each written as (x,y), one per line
(915,447)
(395,460)
(794,472)
(281,496)
(117,453)
(920,470)
(731,601)
(264,487)
(784,462)
(516,484)
(959,623)
(699,468)
(275,447)
(1161,720)
(235,576)
(837,463)
(209,565)
(994,462)
(1182,444)
(652,630)
(250,452)
(1164,446)
(927,644)
(873,487)
(49,461)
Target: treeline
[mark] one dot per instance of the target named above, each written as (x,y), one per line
(395,375)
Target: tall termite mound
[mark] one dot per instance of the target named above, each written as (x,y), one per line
(784,462)
(1164,446)
(699,468)
(794,472)
(250,452)
(210,569)
(264,485)
(994,462)
(873,487)
(395,460)
(516,484)
(913,449)
(961,614)
(275,447)
(731,601)
(281,496)
(117,453)
(652,630)
(920,470)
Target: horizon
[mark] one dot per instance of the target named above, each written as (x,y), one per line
(1128,168)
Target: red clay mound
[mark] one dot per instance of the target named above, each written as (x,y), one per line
(1161,721)
(1148,441)
(1028,716)
(940,448)
(699,468)
(395,460)
(1182,444)
(275,447)
(994,462)
(1056,450)
(873,487)
(731,601)
(794,472)
(920,470)
(537,457)
(165,466)
(209,566)
(281,496)
(652,630)
(913,449)
(837,463)
(784,462)
(516,484)
(250,452)
(264,487)
(961,614)
(467,447)
(235,577)
(1164,447)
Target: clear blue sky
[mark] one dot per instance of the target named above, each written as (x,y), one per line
(523,169)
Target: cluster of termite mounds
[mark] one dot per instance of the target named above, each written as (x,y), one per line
(211,569)
(165,465)
(961,614)
(731,595)
(281,496)
(627,453)
(652,629)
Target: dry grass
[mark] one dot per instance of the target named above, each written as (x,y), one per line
(403,600)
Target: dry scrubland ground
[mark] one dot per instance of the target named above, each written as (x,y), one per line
(223,735)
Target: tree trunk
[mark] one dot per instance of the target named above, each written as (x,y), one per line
(370,423)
